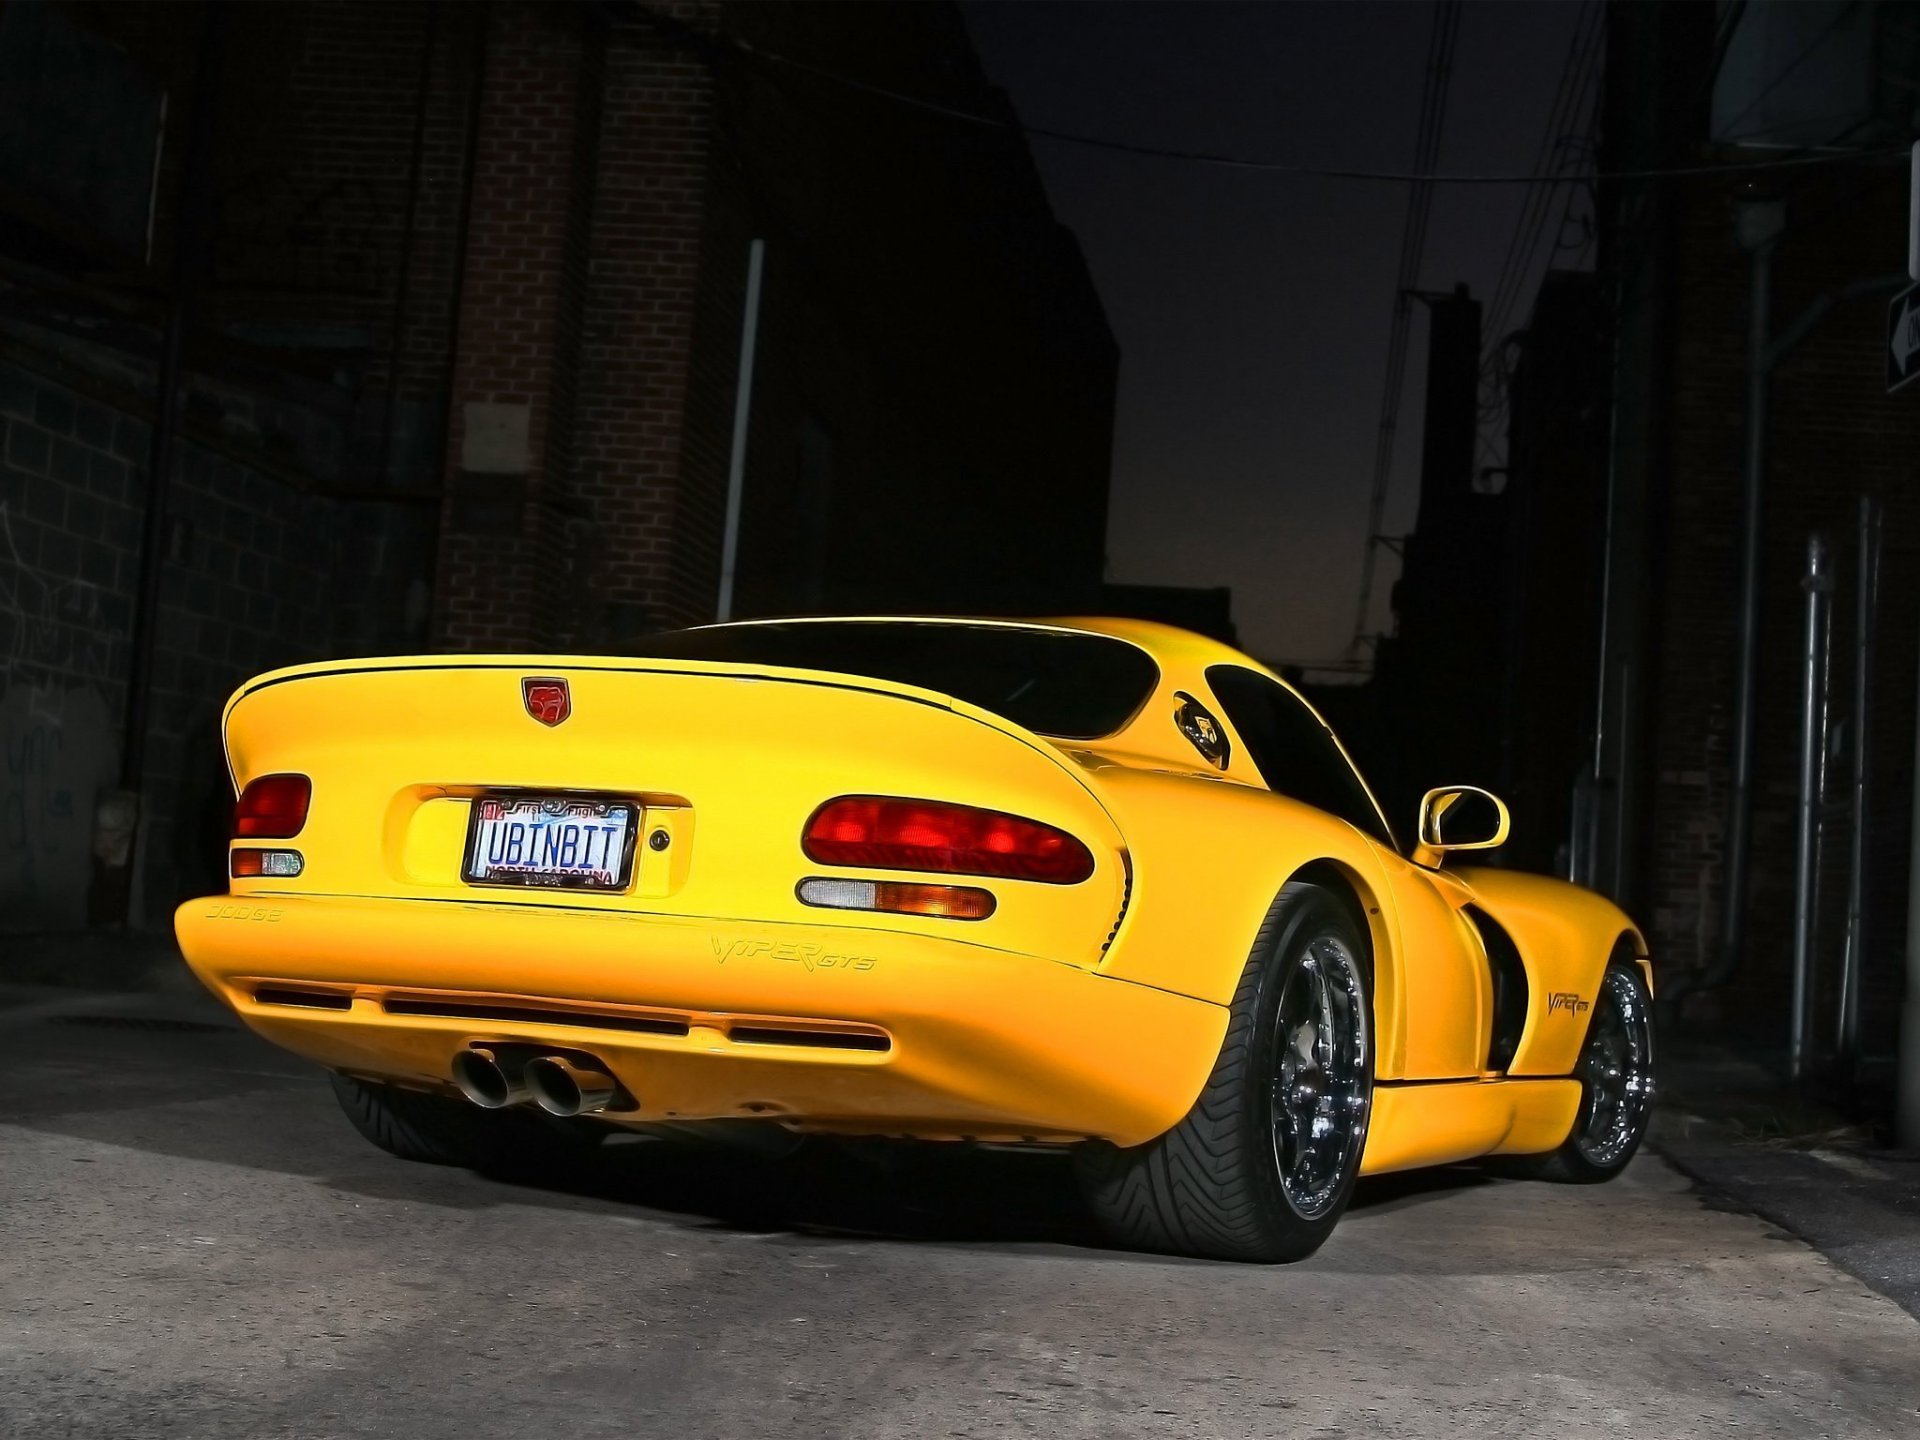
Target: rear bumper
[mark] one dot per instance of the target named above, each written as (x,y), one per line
(831,1028)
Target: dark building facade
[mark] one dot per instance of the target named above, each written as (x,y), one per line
(444,306)
(1433,710)
(1586,619)
(1555,500)
(1833,84)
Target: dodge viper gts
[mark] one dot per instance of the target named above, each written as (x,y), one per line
(1095,885)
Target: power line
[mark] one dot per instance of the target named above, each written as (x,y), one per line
(1577,74)
(1413,244)
(1575,95)
(1532,224)
(1841,14)
(1275,167)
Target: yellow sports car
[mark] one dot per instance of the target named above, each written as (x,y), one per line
(1091,884)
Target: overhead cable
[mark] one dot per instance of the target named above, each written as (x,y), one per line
(1413,244)
(1277,167)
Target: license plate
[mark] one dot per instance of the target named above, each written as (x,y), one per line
(561,842)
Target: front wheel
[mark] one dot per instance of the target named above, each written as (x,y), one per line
(1616,1083)
(1263,1165)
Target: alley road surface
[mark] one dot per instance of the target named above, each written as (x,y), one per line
(194,1244)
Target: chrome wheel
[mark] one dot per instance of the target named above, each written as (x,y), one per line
(1616,1072)
(1320,1076)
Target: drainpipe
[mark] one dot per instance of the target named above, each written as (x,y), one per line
(1813,746)
(120,812)
(1757,225)
(1907,1083)
(742,415)
(1866,617)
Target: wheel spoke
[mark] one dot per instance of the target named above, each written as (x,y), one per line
(1318,1100)
(1615,1072)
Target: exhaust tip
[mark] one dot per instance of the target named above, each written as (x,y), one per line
(560,1087)
(489,1080)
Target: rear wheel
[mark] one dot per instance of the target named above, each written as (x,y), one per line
(1263,1165)
(1616,1083)
(440,1130)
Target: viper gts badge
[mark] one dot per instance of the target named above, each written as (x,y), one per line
(807,956)
(1568,1001)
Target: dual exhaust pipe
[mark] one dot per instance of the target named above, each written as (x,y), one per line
(495,1079)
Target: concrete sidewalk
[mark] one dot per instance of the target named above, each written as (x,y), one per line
(1732,1124)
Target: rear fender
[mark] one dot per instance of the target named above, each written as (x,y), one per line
(1565,936)
(1208,856)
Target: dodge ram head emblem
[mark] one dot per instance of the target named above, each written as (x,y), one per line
(548,701)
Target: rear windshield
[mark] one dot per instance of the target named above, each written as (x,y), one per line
(1071,686)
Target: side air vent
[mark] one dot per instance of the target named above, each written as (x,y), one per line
(301,999)
(1126,895)
(1510,996)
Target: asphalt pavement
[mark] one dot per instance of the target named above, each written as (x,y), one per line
(193,1243)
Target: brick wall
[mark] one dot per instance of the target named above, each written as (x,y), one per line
(463,364)
(1834,435)
(68,533)
(250,566)
(652,468)
(915,282)
(518,332)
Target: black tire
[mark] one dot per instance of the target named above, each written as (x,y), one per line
(1616,1087)
(1220,1184)
(442,1130)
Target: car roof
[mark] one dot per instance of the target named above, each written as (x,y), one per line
(1183,658)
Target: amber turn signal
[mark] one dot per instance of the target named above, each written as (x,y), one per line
(250,863)
(949,902)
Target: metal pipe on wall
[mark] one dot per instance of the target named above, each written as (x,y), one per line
(1733,914)
(742,415)
(1907,1077)
(1866,616)
(1818,585)
(192,239)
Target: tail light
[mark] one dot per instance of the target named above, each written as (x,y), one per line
(272,807)
(888,834)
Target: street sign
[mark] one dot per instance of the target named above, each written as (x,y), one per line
(1903,338)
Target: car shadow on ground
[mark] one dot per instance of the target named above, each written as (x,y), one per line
(954,1193)
(212,1097)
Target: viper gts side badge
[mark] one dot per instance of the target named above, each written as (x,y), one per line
(1196,722)
(547,700)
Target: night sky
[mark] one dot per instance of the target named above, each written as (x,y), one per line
(1252,310)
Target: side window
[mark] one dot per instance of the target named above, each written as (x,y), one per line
(1295,753)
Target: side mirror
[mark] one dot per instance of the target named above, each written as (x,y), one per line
(1460,817)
